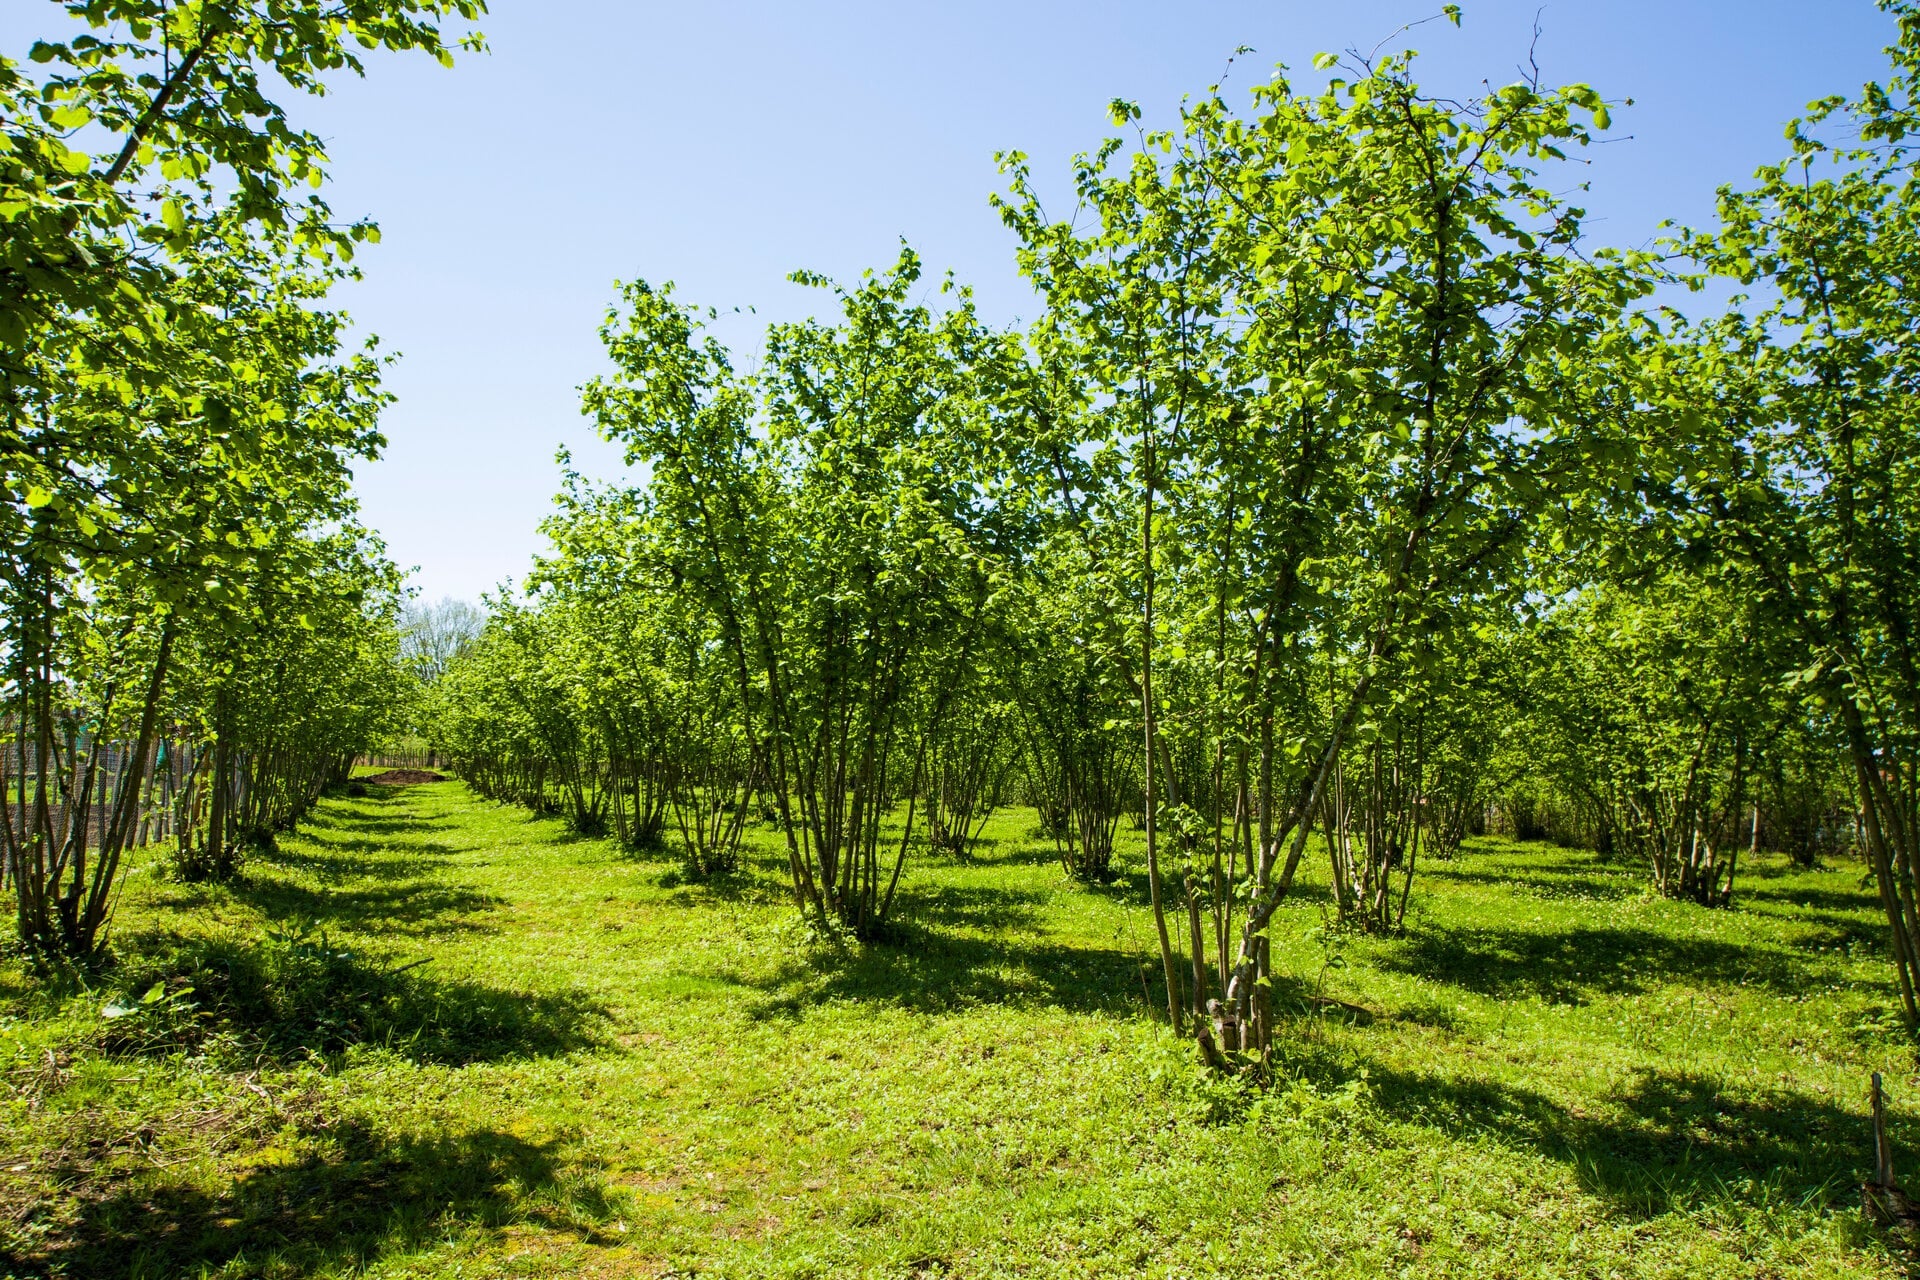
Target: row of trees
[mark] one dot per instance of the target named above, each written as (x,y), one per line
(1342,487)
(188,613)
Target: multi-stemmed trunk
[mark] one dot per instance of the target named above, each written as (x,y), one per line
(67,829)
(1376,854)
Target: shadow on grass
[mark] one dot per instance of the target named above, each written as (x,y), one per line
(1129,887)
(660,849)
(1566,966)
(300,991)
(349,1198)
(1783,900)
(1777,866)
(1549,883)
(932,971)
(360,859)
(1024,852)
(403,907)
(1670,1140)
(1123,884)
(1839,934)
(359,825)
(974,907)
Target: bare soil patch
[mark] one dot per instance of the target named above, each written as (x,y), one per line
(403,778)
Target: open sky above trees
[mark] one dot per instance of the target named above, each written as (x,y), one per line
(723,146)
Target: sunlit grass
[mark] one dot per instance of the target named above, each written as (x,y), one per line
(598,1070)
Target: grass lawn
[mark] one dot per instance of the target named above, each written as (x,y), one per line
(433,1037)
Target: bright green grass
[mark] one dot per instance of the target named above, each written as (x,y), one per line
(601,1074)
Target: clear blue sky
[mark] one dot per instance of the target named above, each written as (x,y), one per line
(722,145)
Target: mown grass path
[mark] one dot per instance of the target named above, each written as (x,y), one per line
(433,1037)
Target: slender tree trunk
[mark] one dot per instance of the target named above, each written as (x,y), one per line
(222,763)
(1147,719)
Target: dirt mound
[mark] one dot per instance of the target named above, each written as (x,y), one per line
(402,778)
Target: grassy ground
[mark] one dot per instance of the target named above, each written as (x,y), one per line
(431,1037)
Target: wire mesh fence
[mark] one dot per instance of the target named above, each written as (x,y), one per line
(50,784)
